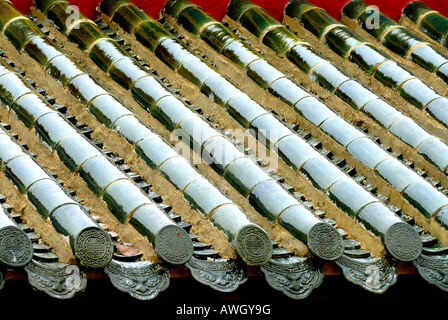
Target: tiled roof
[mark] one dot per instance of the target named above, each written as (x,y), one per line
(135,149)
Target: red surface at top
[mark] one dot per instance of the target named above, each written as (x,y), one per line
(217,8)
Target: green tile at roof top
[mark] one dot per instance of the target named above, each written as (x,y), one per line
(366,22)
(236,8)
(362,12)
(146,29)
(295,8)
(7,12)
(109,7)
(414,10)
(129,17)
(60,14)
(84,33)
(256,20)
(354,8)
(44,5)
(174,7)
(435,26)
(316,21)
(193,18)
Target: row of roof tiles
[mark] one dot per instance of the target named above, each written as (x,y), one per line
(418,238)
